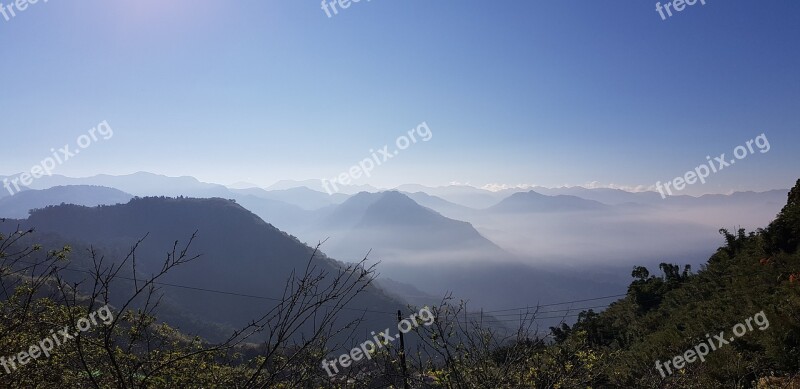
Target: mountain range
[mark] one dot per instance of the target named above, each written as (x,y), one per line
(455,238)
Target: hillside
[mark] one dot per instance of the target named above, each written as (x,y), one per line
(662,317)
(239,251)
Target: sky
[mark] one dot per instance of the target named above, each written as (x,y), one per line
(551,93)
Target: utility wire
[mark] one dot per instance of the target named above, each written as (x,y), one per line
(222,292)
(559,303)
(236,294)
(492,313)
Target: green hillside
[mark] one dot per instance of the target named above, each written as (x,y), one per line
(663,316)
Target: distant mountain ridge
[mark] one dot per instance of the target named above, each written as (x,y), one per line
(301,196)
(316,184)
(18,205)
(464,195)
(438,204)
(532,201)
(294,192)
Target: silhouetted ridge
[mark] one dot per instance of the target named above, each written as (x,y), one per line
(239,251)
(536,202)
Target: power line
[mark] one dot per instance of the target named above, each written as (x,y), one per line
(491,313)
(559,303)
(521,320)
(222,292)
(237,294)
(535,312)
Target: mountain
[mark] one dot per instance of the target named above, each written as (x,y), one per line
(316,184)
(438,204)
(524,202)
(18,205)
(394,226)
(239,253)
(11,189)
(242,185)
(347,214)
(619,197)
(429,228)
(737,199)
(463,195)
(140,184)
(286,217)
(608,196)
(302,196)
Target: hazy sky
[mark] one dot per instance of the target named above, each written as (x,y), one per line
(537,92)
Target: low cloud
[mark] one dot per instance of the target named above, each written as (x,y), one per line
(499,187)
(627,188)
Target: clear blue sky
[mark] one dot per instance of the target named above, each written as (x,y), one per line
(539,92)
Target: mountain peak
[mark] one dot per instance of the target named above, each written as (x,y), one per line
(533,201)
